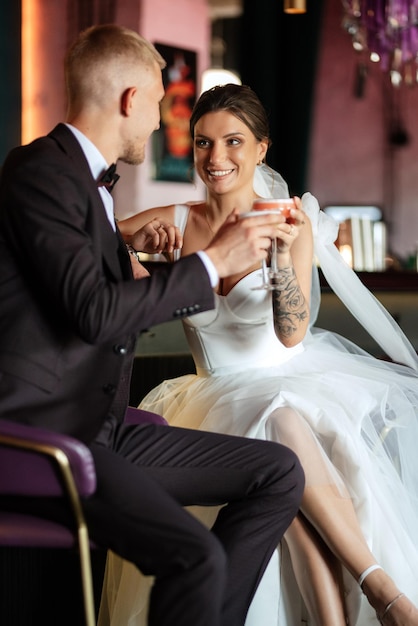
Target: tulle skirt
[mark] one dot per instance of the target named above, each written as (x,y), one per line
(353,421)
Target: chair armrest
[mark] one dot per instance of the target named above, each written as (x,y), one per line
(28,453)
(138,416)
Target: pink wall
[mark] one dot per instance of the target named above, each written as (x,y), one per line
(351,161)
(43,93)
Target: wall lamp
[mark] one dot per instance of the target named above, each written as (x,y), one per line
(218,76)
(295,6)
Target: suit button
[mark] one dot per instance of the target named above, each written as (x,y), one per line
(194,308)
(120,350)
(177,313)
(109,389)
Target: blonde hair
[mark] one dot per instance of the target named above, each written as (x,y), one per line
(101,58)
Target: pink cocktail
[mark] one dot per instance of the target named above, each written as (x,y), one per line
(283,205)
(274,205)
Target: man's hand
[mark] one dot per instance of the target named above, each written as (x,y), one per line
(242,242)
(156,237)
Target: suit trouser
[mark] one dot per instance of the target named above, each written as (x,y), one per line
(147,473)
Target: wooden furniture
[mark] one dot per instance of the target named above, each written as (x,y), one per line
(162,351)
(396,290)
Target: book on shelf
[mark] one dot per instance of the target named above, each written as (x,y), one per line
(379,246)
(366,226)
(363,242)
(357,243)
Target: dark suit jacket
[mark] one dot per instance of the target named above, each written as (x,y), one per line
(69,308)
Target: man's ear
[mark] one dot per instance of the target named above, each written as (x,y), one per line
(127,100)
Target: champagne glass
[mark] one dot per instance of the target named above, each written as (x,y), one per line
(267,206)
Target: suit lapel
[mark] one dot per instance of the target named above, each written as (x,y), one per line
(113,248)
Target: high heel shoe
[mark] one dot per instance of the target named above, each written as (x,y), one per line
(366,572)
(405,613)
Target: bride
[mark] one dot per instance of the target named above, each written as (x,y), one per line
(265,371)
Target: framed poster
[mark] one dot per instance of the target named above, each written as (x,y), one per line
(172,145)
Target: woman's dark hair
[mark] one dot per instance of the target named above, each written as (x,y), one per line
(241,101)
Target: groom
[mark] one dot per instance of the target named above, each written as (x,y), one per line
(69,317)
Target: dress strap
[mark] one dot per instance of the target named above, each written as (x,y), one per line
(181,215)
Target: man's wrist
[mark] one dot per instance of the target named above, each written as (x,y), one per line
(210,268)
(132,251)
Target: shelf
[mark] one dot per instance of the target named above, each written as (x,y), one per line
(382,281)
(396,290)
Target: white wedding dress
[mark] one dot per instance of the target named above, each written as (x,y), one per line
(356,416)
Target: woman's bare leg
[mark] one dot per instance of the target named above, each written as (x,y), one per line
(330,511)
(335,519)
(317,573)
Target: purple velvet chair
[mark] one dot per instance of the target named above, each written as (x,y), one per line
(37,462)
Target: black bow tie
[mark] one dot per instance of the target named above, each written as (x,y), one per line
(109,178)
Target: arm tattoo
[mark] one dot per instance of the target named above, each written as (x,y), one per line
(289,304)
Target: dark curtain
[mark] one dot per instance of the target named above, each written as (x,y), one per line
(82,14)
(277,58)
(10,72)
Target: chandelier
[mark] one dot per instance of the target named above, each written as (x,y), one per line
(386,31)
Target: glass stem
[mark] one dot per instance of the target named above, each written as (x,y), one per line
(273,261)
(265,273)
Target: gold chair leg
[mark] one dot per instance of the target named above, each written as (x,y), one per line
(86,576)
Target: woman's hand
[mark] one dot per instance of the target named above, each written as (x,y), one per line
(156,237)
(289,231)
